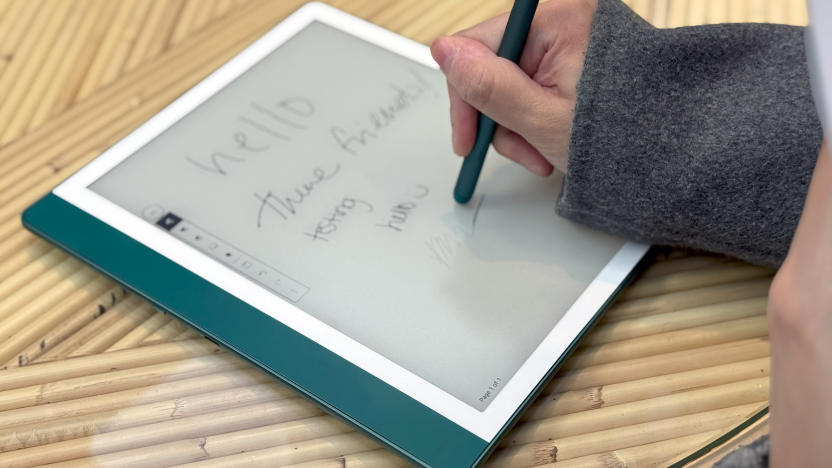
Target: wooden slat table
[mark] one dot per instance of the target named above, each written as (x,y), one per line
(93,376)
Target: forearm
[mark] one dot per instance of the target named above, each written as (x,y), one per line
(699,137)
(800,328)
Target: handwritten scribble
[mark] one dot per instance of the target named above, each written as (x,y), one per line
(420,191)
(476,213)
(263,128)
(216,162)
(349,141)
(288,113)
(300,106)
(352,138)
(286,206)
(277,117)
(329,224)
(399,213)
(442,248)
(241,138)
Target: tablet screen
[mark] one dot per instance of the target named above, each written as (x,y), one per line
(324,175)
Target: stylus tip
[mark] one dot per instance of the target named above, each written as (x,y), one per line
(462,197)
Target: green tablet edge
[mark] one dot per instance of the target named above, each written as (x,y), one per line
(375,408)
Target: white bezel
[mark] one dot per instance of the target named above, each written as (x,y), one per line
(484,425)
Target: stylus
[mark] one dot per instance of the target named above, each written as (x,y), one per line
(511,46)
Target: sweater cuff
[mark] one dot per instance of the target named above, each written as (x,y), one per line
(699,137)
(613,29)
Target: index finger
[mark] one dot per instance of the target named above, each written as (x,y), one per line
(490,33)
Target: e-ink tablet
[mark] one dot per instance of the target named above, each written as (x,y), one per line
(295,206)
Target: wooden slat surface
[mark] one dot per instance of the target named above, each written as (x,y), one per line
(93,376)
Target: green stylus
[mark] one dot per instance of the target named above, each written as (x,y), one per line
(511,46)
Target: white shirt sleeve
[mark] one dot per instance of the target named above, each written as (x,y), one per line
(819,52)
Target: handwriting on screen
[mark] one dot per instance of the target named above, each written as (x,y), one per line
(263,128)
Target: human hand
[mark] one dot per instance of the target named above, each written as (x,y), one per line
(800,329)
(533,103)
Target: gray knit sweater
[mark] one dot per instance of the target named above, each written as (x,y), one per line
(702,137)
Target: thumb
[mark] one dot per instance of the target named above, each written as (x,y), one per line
(495,86)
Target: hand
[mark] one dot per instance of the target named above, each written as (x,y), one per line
(800,328)
(533,103)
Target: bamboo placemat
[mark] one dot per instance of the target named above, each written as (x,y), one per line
(93,376)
